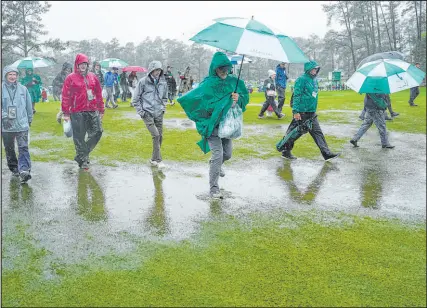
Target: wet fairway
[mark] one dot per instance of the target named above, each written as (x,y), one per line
(350,232)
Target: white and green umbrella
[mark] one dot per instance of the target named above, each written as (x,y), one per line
(113,62)
(250,38)
(32,62)
(385,76)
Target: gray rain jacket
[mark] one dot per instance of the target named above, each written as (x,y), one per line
(22,101)
(150,97)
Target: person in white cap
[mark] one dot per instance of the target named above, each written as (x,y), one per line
(270,95)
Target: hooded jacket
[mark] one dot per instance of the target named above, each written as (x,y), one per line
(210,101)
(32,86)
(22,101)
(151,96)
(305,94)
(281,76)
(74,92)
(110,79)
(98,74)
(58,82)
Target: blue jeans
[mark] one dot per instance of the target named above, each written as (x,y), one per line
(23,163)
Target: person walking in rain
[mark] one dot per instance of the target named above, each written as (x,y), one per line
(304,106)
(206,105)
(82,105)
(150,98)
(124,86)
(96,69)
(133,81)
(389,107)
(270,95)
(281,79)
(171,85)
(184,86)
(109,81)
(375,105)
(16,118)
(414,92)
(33,83)
(57,84)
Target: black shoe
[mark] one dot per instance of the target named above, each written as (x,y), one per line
(25,176)
(389,146)
(388,119)
(281,116)
(331,156)
(413,105)
(354,143)
(395,114)
(261,116)
(288,155)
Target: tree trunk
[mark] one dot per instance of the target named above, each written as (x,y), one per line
(378,26)
(368,47)
(348,26)
(417,20)
(371,26)
(25,30)
(393,23)
(385,23)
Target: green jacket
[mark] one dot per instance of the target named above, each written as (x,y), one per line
(306,91)
(211,100)
(33,88)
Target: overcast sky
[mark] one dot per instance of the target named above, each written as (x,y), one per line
(131,21)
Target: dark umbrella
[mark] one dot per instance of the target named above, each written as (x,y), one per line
(301,128)
(382,55)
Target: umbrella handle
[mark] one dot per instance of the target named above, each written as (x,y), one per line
(240,70)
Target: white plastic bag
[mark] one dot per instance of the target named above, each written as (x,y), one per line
(68,130)
(231,126)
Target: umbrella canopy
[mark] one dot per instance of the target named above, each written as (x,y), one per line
(113,62)
(237,59)
(382,55)
(385,76)
(252,38)
(135,69)
(33,62)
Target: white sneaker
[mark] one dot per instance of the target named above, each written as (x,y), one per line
(153,163)
(161,165)
(216,195)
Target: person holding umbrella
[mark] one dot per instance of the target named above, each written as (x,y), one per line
(206,105)
(375,105)
(82,105)
(414,91)
(304,106)
(33,83)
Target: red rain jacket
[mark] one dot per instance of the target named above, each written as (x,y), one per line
(74,91)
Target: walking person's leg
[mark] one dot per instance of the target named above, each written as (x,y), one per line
(9,147)
(109,96)
(94,130)
(158,122)
(367,123)
(78,125)
(289,145)
(281,98)
(273,105)
(215,163)
(362,114)
(155,135)
(227,150)
(381,126)
(318,137)
(263,108)
(413,95)
(24,160)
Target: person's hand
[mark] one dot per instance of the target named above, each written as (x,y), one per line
(66,117)
(297,116)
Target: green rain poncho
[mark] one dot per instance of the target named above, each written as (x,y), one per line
(211,100)
(33,89)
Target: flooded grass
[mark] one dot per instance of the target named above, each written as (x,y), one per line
(279,260)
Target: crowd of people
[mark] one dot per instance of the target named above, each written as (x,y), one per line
(80,91)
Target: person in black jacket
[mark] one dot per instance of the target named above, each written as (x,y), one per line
(96,69)
(270,95)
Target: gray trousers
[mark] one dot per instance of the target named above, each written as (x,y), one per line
(376,117)
(281,93)
(155,127)
(415,91)
(221,149)
(110,97)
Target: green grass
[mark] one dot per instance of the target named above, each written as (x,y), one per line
(49,144)
(276,260)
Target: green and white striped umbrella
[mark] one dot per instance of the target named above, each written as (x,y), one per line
(32,62)
(251,38)
(385,76)
(113,62)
